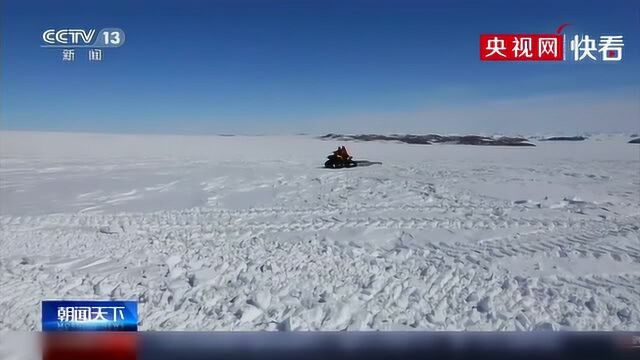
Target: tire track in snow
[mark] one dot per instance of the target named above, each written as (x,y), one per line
(446,286)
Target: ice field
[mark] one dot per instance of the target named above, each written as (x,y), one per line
(251,233)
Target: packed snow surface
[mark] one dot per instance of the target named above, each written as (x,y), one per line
(250,233)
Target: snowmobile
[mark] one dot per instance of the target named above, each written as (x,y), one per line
(337,162)
(341,159)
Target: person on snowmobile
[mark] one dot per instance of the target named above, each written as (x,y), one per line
(340,159)
(343,153)
(340,154)
(337,153)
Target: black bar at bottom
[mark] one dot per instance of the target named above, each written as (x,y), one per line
(388,345)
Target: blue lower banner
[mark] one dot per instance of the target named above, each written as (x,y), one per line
(89,315)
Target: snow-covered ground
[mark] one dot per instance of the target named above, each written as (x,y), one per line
(248,233)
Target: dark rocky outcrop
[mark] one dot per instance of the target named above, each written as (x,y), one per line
(565,138)
(634,141)
(434,139)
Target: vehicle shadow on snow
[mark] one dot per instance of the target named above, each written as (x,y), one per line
(359,163)
(367,162)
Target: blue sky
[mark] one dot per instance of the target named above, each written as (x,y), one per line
(314,66)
